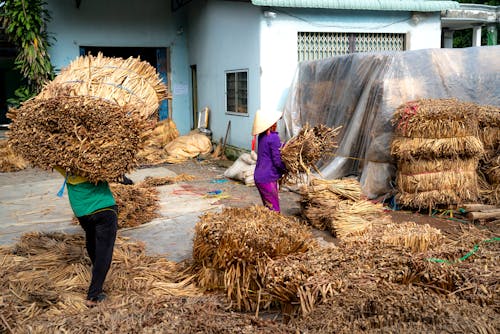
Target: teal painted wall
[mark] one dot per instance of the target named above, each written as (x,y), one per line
(124,23)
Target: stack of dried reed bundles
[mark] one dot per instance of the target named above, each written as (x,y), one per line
(437,148)
(9,161)
(301,152)
(489,165)
(154,148)
(416,237)
(91,120)
(137,203)
(232,248)
(338,206)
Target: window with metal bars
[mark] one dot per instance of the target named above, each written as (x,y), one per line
(320,45)
(236,92)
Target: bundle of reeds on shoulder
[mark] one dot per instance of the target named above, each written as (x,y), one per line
(489,165)
(437,148)
(232,249)
(92,119)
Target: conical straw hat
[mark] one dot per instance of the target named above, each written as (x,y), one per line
(264,119)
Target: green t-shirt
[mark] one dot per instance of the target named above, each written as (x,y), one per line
(86,197)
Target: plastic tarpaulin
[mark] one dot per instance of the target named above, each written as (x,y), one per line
(361,92)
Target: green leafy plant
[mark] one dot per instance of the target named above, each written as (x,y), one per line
(25,22)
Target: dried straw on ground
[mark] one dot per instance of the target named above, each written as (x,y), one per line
(150,181)
(45,278)
(417,238)
(154,147)
(137,203)
(232,248)
(364,268)
(304,150)
(338,206)
(123,81)
(437,147)
(9,161)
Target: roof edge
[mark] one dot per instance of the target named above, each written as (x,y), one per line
(387,5)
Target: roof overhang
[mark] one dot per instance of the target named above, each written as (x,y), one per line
(470,15)
(387,5)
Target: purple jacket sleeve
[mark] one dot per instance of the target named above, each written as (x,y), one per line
(275,145)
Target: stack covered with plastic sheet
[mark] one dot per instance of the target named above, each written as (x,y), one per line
(362,91)
(437,150)
(91,120)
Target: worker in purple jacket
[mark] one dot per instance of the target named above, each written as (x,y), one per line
(269,167)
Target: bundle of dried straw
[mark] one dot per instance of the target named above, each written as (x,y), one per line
(304,150)
(232,248)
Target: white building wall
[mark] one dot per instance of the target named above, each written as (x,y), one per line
(279,39)
(123,23)
(224,36)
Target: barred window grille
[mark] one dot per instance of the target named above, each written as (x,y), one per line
(320,45)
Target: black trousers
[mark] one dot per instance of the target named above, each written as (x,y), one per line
(100,234)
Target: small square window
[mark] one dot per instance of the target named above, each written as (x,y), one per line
(237,92)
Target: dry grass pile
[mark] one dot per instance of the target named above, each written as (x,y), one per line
(92,119)
(151,181)
(137,203)
(304,150)
(45,278)
(232,249)
(416,237)
(489,165)
(9,161)
(154,148)
(373,283)
(437,148)
(339,207)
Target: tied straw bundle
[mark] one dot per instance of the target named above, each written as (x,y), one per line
(232,248)
(91,120)
(338,206)
(301,152)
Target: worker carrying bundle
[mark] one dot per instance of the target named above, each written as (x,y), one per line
(91,120)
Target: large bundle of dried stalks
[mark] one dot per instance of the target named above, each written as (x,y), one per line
(45,278)
(437,148)
(121,81)
(305,149)
(338,206)
(154,147)
(418,238)
(232,248)
(9,161)
(137,203)
(489,126)
(89,137)
(429,183)
(91,118)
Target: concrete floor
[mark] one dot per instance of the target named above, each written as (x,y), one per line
(28,203)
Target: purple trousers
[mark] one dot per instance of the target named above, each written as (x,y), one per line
(269,195)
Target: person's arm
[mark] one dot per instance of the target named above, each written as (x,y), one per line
(275,145)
